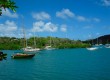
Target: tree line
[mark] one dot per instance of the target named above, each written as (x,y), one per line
(12,43)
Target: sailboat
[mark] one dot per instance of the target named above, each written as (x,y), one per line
(31,49)
(23,55)
(49,47)
(93,47)
(107,45)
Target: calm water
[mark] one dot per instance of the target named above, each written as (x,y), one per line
(63,64)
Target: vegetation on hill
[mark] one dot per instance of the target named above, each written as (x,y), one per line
(7,43)
(100,40)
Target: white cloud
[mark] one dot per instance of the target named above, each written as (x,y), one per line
(9,14)
(96,19)
(106,2)
(97,33)
(41,27)
(38,26)
(63,28)
(41,16)
(90,36)
(87,27)
(50,27)
(65,13)
(81,18)
(8,28)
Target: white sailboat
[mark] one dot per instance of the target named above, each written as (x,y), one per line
(107,45)
(93,47)
(49,47)
(28,48)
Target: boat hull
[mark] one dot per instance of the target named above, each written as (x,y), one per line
(22,56)
(92,48)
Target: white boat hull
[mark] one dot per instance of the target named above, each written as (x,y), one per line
(92,48)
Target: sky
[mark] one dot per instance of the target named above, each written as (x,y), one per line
(73,19)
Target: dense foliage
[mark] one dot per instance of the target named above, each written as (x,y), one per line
(8,43)
(7,4)
(105,39)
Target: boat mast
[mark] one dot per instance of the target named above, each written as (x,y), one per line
(24,36)
(97,41)
(34,41)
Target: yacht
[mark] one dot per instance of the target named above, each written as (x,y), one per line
(92,48)
(107,46)
(30,49)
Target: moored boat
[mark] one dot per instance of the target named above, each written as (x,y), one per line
(107,46)
(30,49)
(2,55)
(48,48)
(22,56)
(92,48)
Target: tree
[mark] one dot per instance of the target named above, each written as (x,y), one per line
(7,4)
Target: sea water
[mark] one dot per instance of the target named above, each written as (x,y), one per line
(59,64)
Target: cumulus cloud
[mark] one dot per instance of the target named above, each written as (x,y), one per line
(65,13)
(97,34)
(90,36)
(41,27)
(63,28)
(87,27)
(81,18)
(106,2)
(8,28)
(96,19)
(50,27)
(9,14)
(38,26)
(41,16)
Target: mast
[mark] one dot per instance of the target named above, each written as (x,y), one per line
(97,41)
(24,36)
(34,41)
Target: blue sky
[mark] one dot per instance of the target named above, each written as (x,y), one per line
(74,19)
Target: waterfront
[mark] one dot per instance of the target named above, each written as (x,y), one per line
(60,64)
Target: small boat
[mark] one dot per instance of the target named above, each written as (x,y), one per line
(107,46)
(92,48)
(22,56)
(2,55)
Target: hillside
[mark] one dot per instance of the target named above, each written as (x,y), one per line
(100,40)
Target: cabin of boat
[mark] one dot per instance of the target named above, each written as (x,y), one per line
(30,49)
(49,48)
